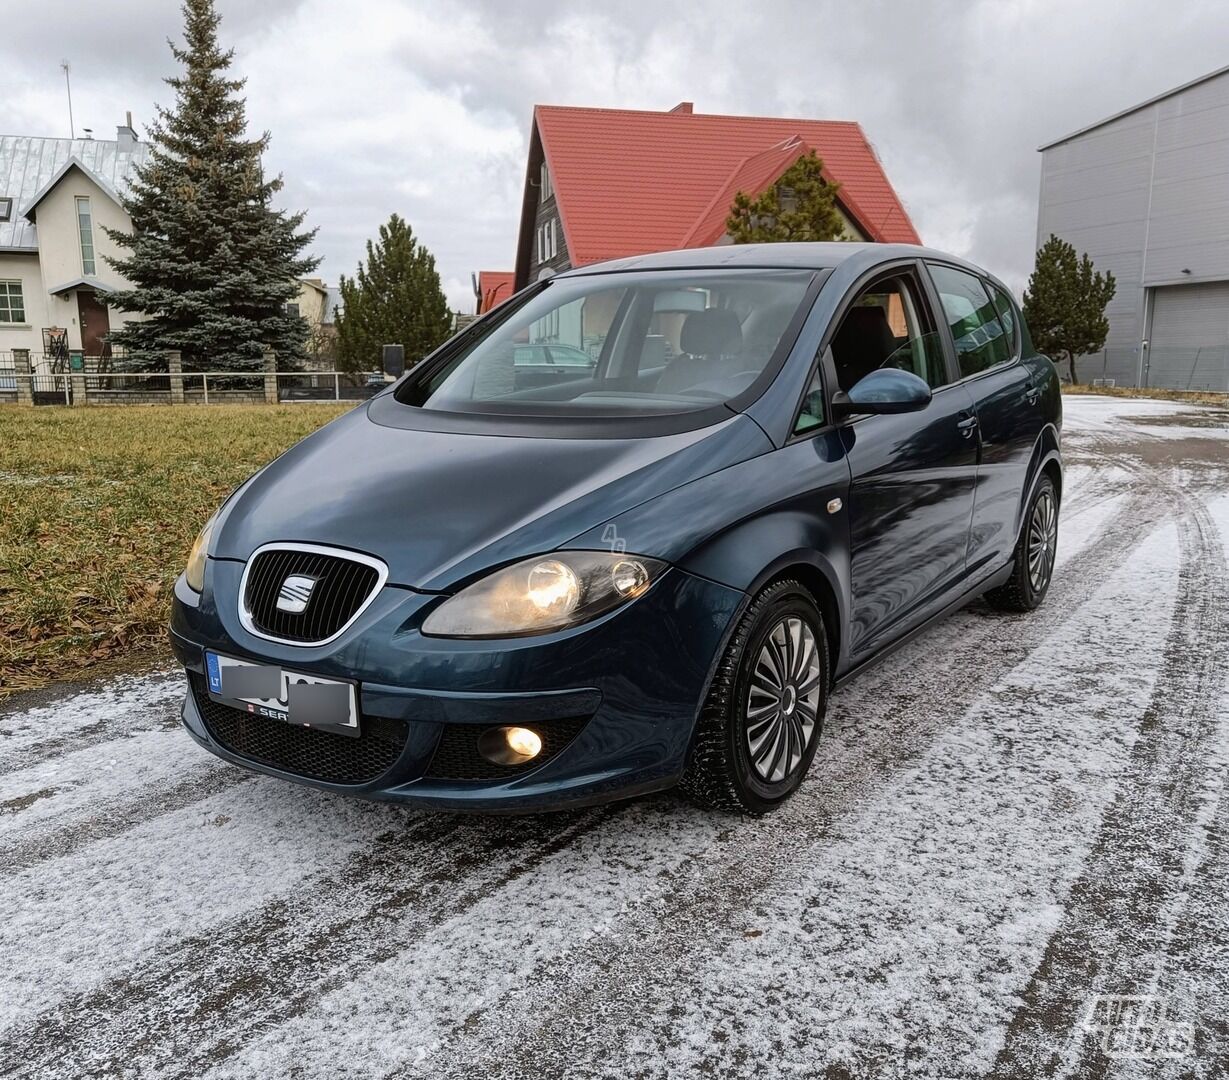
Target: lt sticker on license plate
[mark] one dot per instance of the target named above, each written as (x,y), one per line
(290,696)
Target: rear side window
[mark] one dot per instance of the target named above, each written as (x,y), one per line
(981,339)
(1007,316)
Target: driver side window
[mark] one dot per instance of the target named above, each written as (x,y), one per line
(888,326)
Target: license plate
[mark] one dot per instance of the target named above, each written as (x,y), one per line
(293,697)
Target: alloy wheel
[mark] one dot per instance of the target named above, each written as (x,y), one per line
(783,699)
(1042,541)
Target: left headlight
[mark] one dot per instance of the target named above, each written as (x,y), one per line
(194,573)
(550,592)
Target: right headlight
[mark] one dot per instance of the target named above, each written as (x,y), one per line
(549,592)
(194,573)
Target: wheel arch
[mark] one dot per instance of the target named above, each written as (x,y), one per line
(1046,461)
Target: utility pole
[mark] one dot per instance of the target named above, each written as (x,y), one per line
(72,131)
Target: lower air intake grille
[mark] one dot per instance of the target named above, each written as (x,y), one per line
(319,755)
(457,757)
(338,588)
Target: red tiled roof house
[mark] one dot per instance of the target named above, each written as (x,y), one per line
(607,183)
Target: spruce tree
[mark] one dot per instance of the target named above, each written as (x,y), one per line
(213,263)
(1065,303)
(807,212)
(395,299)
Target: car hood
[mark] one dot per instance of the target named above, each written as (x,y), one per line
(439,507)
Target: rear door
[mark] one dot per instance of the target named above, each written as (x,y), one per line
(984,329)
(912,474)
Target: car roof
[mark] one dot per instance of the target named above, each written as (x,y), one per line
(817,256)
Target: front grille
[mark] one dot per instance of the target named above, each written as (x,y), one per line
(457,757)
(342,587)
(319,755)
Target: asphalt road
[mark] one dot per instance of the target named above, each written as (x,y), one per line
(1009,860)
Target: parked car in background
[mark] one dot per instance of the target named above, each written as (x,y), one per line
(492,589)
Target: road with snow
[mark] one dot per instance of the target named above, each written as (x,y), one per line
(1010,860)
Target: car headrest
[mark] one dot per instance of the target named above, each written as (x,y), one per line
(712,332)
(866,331)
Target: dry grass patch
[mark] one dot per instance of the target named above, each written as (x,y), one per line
(1195,397)
(98,508)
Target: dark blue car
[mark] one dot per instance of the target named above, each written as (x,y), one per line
(511,586)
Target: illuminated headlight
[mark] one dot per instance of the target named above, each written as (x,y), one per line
(546,593)
(194,574)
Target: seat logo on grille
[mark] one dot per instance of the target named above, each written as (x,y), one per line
(295,593)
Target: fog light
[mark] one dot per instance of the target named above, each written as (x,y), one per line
(509,745)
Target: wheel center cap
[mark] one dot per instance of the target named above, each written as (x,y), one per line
(789,698)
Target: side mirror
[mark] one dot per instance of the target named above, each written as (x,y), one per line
(884,390)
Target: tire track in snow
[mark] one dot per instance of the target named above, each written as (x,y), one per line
(30,736)
(216,991)
(1114,926)
(110,818)
(70,924)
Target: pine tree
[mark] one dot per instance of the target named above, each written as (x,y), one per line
(1065,303)
(212,262)
(395,299)
(801,206)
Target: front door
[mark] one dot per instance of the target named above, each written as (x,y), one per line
(912,474)
(95,323)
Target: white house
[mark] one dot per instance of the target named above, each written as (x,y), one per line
(56,197)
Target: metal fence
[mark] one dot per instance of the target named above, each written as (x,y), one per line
(50,384)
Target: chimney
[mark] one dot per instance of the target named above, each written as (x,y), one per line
(126,135)
(684,107)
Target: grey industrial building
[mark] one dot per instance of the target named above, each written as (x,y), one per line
(1146,194)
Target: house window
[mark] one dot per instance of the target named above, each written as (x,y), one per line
(12,305)
(292,309)
(544,179)
(85,229)
(548,240)
(6,209)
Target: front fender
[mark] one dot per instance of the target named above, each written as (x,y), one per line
(744,525)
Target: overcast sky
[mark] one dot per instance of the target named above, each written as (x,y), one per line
(378,106)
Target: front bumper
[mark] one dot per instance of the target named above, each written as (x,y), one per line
(621,693)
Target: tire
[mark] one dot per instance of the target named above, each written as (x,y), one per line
(753,763)
(1033,560)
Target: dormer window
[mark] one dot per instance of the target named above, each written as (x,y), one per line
(6,209)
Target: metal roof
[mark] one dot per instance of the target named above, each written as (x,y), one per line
(1135,108)
(29,167)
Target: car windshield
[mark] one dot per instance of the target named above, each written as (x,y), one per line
(620,344)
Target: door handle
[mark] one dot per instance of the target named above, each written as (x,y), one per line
(967,426)
(1032,395)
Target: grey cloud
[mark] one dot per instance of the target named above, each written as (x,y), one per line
(956,96)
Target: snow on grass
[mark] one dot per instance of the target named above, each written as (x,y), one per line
(70,922)
(126,703)
(904,946)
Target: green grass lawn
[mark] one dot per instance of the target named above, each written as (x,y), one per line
(98,508)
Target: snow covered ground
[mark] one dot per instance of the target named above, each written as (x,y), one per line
(1010,860)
